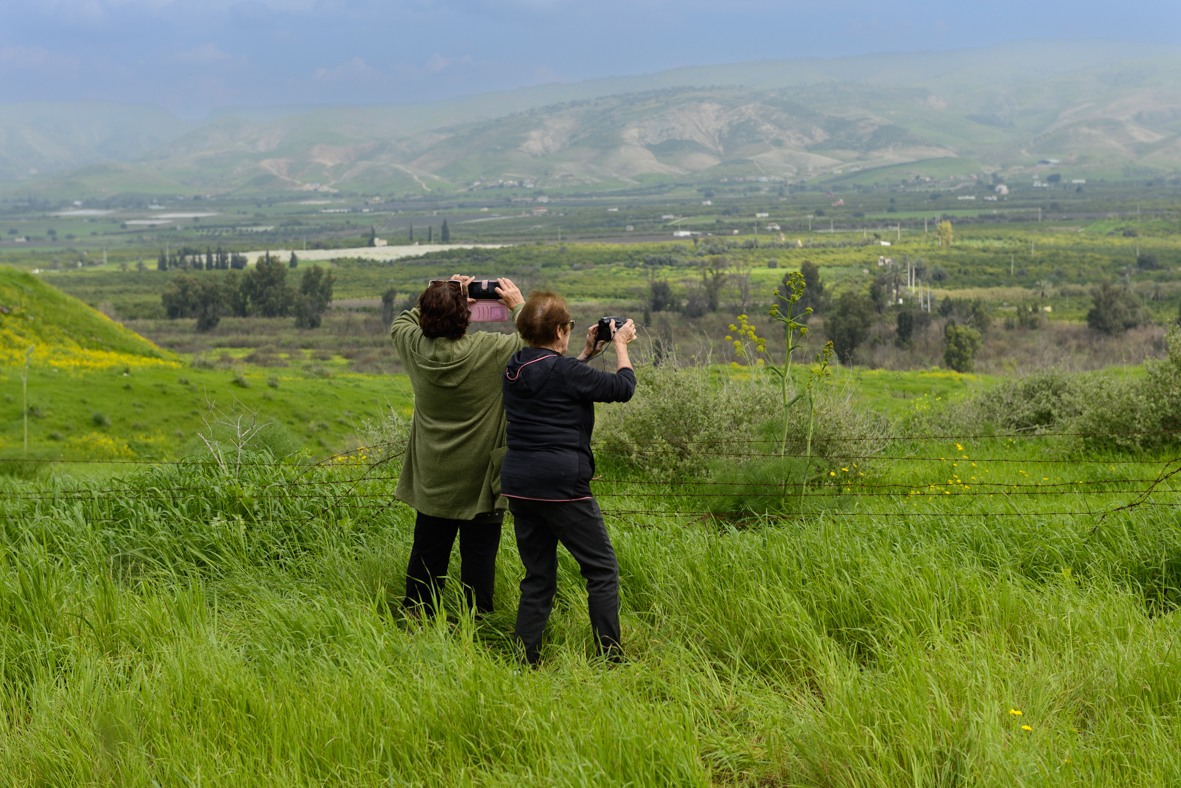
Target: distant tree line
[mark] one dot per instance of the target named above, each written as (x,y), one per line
(193,259)
(262,291)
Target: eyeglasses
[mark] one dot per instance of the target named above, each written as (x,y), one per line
(572,322)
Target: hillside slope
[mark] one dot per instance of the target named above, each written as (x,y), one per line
(1091,105)
(63,330)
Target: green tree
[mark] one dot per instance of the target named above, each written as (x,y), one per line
(265,289)
(211,299)
(430,233)
(315,294)
(179,297)
(904,327)
(944,233)
(962,344)
(387,304)
(293,262)
(412,233)
(445,233)
(660,296)
(847,324)
(813,297)
(1115,310)
(713,277)
(162,261)
(372,237)
(879,292)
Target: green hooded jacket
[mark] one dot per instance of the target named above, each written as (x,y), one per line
(457,435)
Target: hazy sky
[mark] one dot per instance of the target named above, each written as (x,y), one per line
(193,55)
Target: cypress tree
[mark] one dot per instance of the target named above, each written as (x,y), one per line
(411,233)
(430,233)
(444,233)
(162,262)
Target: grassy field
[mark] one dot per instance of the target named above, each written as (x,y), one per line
(189,625)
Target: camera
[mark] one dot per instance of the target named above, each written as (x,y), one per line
(603,332)
(483,289)
(486,309)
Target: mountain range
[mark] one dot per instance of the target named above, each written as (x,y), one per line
(1094,106)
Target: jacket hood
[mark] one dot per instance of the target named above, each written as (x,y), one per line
(444,362)
(529,369)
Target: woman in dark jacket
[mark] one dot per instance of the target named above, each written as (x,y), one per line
(549,400)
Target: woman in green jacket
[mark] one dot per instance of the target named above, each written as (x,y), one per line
(451,469)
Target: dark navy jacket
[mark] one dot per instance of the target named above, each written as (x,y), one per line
(549,400)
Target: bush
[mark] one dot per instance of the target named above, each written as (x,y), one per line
(682,419)
(962,344)
(1115,310)
(240,380)
(99,419)
(848,323)
(1101,411)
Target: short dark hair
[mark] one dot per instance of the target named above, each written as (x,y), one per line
(541,317)
(443,311)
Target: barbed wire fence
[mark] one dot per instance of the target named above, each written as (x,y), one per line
(363,479)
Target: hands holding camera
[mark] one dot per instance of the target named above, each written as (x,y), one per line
(621,336)
(510,294)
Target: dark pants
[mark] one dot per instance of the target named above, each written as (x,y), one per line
(479,539)
(578,525)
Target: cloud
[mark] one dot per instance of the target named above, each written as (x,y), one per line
(38,60)
(205,55)
(355,70)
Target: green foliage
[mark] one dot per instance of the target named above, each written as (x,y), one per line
(815,297)
(905,327)
(265,290)
(1103,412)
(962,344)
(315,294)
(847,324)
(1115,310)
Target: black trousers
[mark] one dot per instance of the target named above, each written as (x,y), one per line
(578,525)
(479,539)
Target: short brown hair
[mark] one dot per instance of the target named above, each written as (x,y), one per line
(541,317)
(443,311)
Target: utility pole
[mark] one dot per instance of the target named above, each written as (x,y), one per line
(1039,214)
(809,222)
(898,227)
(924,225)
(1011,256)
(105,255)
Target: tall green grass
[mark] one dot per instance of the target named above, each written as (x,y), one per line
(200,627)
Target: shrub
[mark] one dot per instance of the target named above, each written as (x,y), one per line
(99,419)
(1102,412)
(273,382)
(848,323)
(1115,310)
(962,344)
(681,419)
(240,380)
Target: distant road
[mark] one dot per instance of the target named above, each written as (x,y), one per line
(366,252)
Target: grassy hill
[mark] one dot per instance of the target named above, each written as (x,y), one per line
(97,391)
(64,329)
